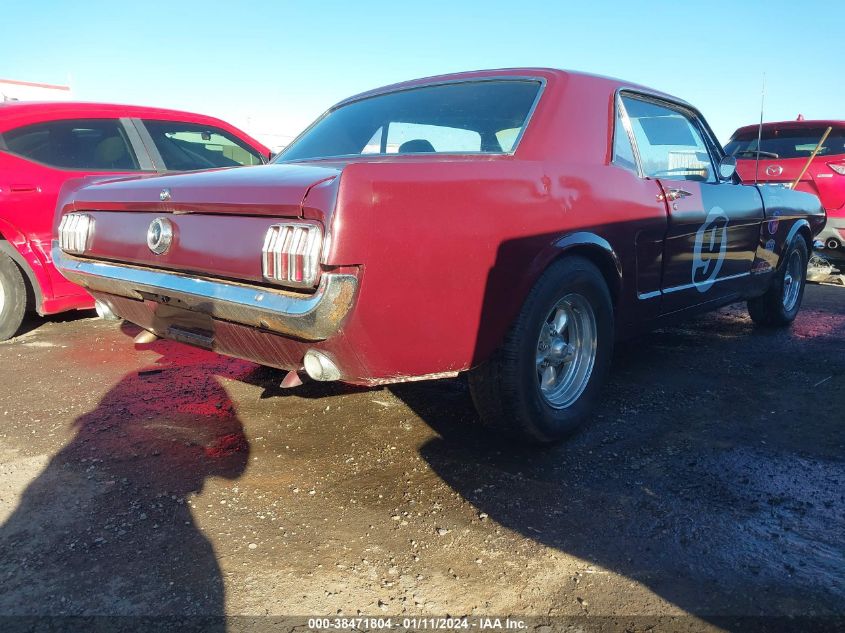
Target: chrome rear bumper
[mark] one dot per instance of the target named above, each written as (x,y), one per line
(312,317)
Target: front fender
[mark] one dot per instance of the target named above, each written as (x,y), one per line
(787,214)
(796,228)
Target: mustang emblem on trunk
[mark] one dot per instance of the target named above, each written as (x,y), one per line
(160,235)
(164,196)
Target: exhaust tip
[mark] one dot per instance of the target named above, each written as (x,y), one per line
(320,367)
(145,337)
(104,311)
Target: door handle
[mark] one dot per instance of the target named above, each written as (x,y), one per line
(673,194)
(25,188)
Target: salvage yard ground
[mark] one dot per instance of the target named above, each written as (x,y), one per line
(166,480)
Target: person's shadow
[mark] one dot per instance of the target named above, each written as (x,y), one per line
(106,528)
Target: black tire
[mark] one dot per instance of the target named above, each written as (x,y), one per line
(506,389)
(771,309)
(12,297)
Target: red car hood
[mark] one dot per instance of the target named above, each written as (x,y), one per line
(275,190)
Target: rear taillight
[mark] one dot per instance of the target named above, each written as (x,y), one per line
(76,231)
(839,168)
(291,254)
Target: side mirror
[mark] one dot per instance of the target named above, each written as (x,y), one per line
(727,167)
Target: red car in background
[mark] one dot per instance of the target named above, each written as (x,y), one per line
(785,148)
(42,145)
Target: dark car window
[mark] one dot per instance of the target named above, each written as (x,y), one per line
(788,142)
(466,117)
(93,144)
(190,146)
(669,141)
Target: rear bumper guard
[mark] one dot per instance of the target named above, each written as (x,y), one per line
(312,317)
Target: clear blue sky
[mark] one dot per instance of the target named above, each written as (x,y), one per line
(272,67)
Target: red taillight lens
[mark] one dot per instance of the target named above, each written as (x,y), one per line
(839,168)
(291,254)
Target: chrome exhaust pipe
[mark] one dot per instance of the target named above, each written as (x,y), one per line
(145,337)
(105,312)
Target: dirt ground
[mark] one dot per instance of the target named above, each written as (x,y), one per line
(166,480)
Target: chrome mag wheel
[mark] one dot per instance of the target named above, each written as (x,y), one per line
(566,351)
(792,279)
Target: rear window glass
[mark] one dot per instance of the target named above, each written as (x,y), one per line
(786,143)
(469,117)
(189,146)
(92,144)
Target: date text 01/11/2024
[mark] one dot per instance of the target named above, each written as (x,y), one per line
(416,623)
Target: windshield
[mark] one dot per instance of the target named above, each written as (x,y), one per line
(472,117)
(786,143)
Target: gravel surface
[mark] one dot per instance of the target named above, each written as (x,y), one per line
(167,480)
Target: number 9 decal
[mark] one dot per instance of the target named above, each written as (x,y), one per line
(711,244)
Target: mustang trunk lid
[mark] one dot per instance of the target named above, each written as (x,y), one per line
(217,219)
(269,190)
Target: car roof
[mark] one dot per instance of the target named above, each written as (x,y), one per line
(32,111)
(791,125)
(547,74)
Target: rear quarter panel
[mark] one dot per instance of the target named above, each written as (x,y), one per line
(450,249)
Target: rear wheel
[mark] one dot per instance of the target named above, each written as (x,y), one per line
(542,383)
(780,305)
(12,297)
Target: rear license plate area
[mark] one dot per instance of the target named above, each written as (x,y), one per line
(183,325)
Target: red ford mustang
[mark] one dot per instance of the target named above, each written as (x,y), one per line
(510,224)
(44,144)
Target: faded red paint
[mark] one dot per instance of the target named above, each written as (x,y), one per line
(446,247)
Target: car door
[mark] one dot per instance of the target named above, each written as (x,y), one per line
(714,224)
(188,146)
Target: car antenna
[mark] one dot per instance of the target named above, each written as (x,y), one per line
(760,131)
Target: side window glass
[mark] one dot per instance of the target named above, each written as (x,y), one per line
(669,142)
(190,146)
(91,144)
(623,153)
